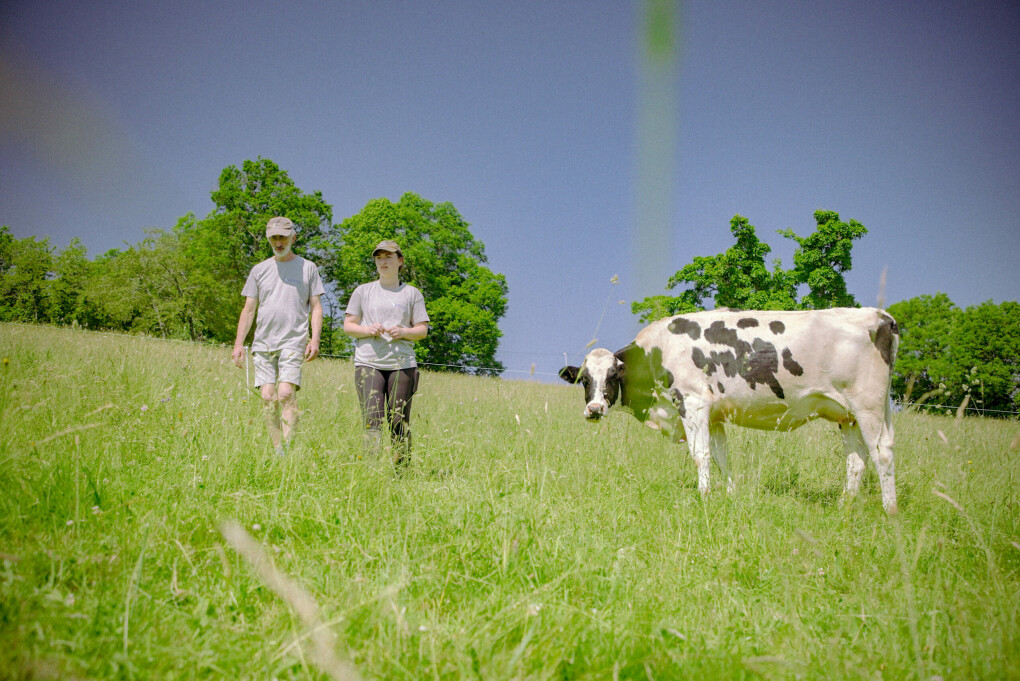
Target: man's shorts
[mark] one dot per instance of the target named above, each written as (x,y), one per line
(278,366)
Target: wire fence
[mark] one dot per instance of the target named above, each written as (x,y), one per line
(497,370)
(343,356)
(952,408)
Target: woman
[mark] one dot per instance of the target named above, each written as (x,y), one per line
(386,316)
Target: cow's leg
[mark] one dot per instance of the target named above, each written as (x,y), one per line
(856,450)
(877,432)
(717,446)
(696,425)
(882,455)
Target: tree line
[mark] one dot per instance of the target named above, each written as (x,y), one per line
(185,283)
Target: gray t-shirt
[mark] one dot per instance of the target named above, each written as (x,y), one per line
(284,291)
(405,307)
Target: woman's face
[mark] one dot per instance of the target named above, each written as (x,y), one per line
(387,263)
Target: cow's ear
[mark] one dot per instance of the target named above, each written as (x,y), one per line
(569,374)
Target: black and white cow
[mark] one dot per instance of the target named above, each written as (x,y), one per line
(688,375)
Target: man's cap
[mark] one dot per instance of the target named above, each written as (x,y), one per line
(388,245)
(280,226)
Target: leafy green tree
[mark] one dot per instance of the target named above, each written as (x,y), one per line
(66,300)
(442,258)
(149,288)
(986,358)
(222,248)
(25,265)
(739,278)
(232,238)
(927,324)
(947,355)
(822,259)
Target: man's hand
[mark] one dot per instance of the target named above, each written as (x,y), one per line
(238,356)
(311,350)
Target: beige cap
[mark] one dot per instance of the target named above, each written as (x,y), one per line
(279,226)
(388,245)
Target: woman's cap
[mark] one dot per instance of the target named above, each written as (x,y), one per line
(388,245)
(279,226)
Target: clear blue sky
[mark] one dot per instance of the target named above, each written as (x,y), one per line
(118,116)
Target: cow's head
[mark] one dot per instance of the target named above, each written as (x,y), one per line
(600,373)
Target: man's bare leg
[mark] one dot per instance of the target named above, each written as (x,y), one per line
(271,411)
(287,398)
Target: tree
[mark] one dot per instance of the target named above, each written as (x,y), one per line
(926,325)
(66,301)
(986,354)
(737,278)
(442,258)
(222,248)
(822,259)
(740,279)
(234,233)
(25,265)
(947,355)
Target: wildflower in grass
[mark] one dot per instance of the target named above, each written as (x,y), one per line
(7,361)
(256,527)
(145,408)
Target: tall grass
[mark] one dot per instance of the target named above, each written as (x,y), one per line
(522,543)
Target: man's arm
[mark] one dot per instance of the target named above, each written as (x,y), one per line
(243,326)
(312,349)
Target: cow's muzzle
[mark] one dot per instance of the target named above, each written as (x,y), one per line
(593,411)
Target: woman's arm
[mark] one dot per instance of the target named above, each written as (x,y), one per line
(354,329)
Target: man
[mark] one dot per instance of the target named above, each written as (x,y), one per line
(285,290)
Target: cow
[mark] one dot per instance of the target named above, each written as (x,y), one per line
(689,374)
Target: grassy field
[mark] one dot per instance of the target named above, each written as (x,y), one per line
(522,543)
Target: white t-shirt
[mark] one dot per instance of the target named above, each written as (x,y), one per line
(284,291)
(405,307)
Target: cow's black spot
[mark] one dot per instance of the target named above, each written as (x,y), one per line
(612,387)
(763,365)
(678,401)
(700,361)
(790,364)
(883,338)
(720,335)
(681,325)
(731,363)
(755,362)
(747,323)
(777,327)
(722,388)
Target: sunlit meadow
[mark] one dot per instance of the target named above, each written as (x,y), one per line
(521,543)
